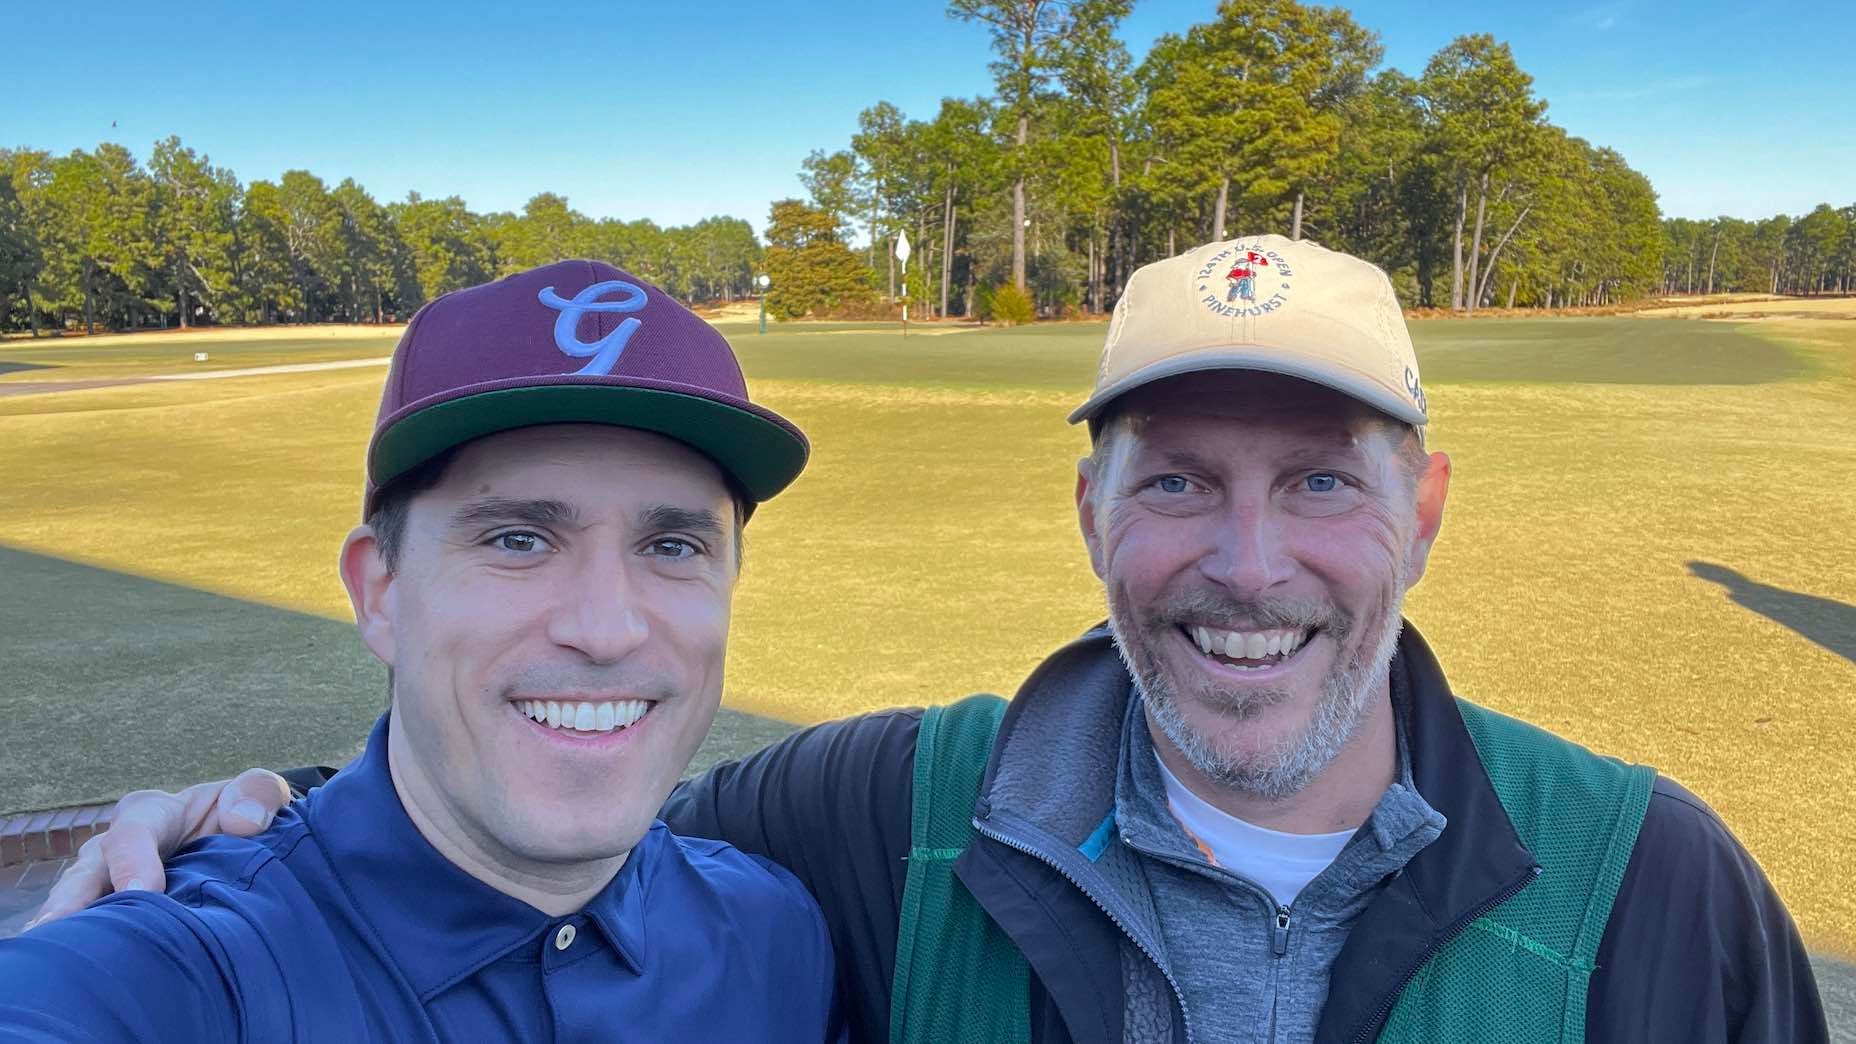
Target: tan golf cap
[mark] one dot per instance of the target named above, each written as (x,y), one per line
(1263,303)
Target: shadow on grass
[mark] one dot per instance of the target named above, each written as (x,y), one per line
(111,682)
(1836,984)
(22,367)
(1829,623)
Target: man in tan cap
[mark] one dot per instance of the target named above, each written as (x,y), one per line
(1248,807)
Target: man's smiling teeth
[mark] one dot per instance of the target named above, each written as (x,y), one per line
(1248,645)
(584,717)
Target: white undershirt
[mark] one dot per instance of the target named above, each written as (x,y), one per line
(1281,864)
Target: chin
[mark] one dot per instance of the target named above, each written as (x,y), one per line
(549,820)
(584,838)
(1254,732)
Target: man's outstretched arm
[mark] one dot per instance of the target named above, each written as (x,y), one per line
(127,970)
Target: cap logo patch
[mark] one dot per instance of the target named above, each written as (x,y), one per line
(604,352)
(1243,276)
(1243,281)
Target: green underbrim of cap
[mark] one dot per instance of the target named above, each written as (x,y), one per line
(762,457)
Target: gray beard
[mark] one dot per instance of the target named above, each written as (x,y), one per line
(1346,697)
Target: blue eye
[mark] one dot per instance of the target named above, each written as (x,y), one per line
(1321,482)
(671,547)
(518,542)
(1173,484)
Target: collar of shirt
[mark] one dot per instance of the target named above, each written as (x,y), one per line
(1282,863)
(437,923)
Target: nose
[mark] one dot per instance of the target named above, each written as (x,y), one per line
(1248,552)
(600,614)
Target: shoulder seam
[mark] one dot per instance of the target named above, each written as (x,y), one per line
(1674,804)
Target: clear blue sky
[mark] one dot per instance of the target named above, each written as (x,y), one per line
(679,111)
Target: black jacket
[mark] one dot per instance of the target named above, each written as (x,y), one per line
(1698,947)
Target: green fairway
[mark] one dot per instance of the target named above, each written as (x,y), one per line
(83,358)
(1049,357)
(1651,547)
(1617,350)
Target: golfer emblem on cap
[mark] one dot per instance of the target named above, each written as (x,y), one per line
(1243,276)
(605,352)
(1255,281)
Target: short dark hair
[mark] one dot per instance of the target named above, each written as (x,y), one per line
(393,502)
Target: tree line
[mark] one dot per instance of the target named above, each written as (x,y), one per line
(96,238)
(1040,198)
(1812,254)
(1274,116)
(1270,117)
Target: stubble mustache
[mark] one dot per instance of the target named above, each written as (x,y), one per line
(587,682)
(1208,608)
(1186,609)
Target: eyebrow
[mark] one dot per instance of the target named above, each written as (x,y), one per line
(1349,450)
(494,511)
(502,511)
(1185,460)
(665,516)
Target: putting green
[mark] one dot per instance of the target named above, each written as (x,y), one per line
(1650,547)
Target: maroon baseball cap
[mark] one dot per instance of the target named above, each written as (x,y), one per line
(574,342)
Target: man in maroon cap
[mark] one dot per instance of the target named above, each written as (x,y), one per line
(556,486)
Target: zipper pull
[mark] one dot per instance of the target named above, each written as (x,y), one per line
(1282,930)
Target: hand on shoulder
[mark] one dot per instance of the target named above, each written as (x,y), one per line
(148,826)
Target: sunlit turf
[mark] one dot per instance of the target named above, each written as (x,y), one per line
(84,359)
(1618,484)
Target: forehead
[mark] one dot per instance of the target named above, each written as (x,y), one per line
(583,462)
(1249,406)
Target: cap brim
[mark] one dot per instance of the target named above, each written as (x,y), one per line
(761,453)
(1352,384)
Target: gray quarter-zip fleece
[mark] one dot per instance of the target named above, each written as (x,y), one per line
(1056,775)
(1252,970)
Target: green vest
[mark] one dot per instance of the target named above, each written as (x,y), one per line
(1518,973)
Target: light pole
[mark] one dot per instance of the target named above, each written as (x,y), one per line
(762,281)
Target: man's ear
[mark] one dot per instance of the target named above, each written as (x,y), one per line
(1433,490)
(1086,512)
(370,591)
